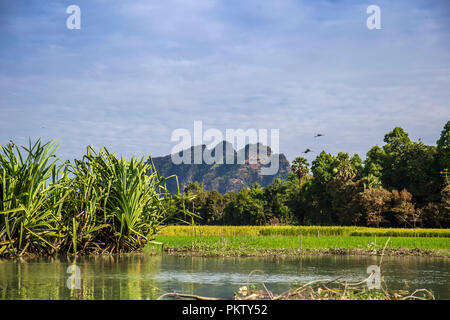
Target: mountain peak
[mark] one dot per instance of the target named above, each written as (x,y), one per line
(229,176)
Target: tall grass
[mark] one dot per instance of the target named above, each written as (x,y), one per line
(196,230)
(97,204)
(28,215)
(115,201)
(300,230)
(353,231)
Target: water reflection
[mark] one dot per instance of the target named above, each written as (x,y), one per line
(140,277)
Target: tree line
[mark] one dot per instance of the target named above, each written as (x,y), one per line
(403,183)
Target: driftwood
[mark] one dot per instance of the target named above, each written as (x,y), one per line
(185,296)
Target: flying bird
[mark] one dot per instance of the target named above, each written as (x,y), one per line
(307,150)
(318,135)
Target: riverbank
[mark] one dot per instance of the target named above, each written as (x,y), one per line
(227,246)
(262,241)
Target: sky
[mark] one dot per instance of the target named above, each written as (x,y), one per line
(138,70)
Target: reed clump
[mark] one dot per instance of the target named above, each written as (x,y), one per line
(99,204)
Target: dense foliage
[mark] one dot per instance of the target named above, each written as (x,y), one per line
(403,183)
(97,204)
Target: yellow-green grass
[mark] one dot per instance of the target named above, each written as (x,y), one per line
(256,240)
(304,242)
(300,230)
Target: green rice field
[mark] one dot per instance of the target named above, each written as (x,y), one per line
(252,240)
(193,230)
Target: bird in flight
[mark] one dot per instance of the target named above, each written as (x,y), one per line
(318,135)
(307,150)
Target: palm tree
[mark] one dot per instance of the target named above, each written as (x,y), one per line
(300,168)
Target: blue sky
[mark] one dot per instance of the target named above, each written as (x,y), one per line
(137,70)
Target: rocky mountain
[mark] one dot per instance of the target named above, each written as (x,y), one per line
(223,169)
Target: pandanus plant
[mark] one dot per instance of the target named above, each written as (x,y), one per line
(117,203)
(100,203)
(29,216)
(301,170)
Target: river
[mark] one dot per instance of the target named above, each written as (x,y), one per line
(144,277)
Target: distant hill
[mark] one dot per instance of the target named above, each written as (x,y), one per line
(222,177)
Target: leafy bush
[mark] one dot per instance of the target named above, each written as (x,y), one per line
(100,203)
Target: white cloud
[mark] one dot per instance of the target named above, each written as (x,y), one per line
(146,68)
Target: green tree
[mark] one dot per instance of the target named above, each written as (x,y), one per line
(300,167)
(319,206)
(344,188)
(443,149)
(243,209)
(214,206)
(375,161)
(276,197)
(405,165)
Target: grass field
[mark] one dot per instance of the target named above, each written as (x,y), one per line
(253,240)
(307,242)
(300,230)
